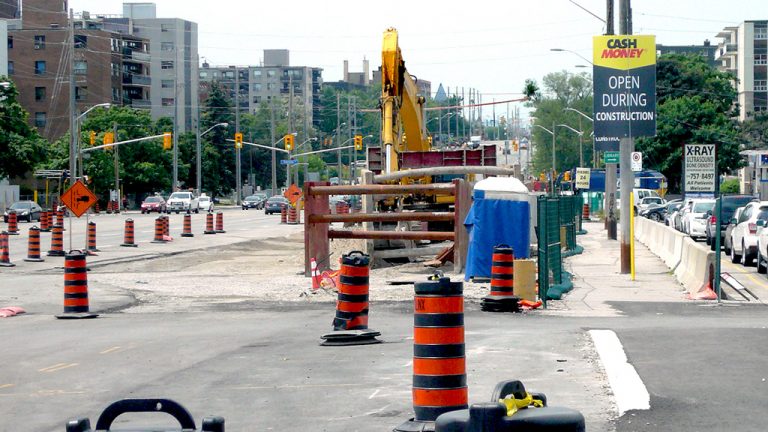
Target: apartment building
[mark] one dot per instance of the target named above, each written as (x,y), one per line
(705,50)
(271,81)
(743,51)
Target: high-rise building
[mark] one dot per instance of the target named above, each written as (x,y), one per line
(267,83)
(706,50)
(743,51)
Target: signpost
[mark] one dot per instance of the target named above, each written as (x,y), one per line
(699,168)
(582,178)
(292,194)
(637,161)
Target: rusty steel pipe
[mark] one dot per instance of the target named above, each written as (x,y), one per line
(383,217)
(391,235)
(444,188)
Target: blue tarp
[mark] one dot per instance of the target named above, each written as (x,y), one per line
(491,222)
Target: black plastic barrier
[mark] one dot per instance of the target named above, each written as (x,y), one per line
(172,408)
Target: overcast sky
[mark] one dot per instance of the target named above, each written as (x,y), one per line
(492,46)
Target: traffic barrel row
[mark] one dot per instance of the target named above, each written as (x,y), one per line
(13,223)
(283,215)
(5,254)
(45,221)
(33,248)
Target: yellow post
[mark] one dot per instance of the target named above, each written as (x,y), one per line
(632,235)
(34,198)
(46,193)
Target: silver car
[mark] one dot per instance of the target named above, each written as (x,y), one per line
(743,237)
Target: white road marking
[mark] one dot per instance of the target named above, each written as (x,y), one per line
(628,388)
(57,367)
(373,395)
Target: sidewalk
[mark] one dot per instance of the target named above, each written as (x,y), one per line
(597,280)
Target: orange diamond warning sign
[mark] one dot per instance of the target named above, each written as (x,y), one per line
(78,198)
(293,193)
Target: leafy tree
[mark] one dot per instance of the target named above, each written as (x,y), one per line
(730,186)
(218,163)
(754,132)
(21,147)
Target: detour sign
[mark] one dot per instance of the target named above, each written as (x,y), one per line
(292,194)
(78,198)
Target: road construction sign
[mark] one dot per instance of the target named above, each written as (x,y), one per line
(292,194)
(78,198)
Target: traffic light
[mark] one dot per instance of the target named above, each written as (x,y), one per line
(239,140)
(429,140)
(109,138)
(358,142)
(516,145)
(567,176)
(93,138)
(542,177)
(167,141)
(289,142)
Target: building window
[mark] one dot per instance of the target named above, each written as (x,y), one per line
(40,119)
(257,87)
(257,74)
(167,83)
(81,93)
(270,73)
(81,67)
(166,27)
(39,93)
(229,74)
(116,94)
(10,42)
(761,59)
(166,64)
(203,75)
(168,101)
(10,68)
(166,46)
(761,32)
(761,85)
(270,86)
(81,41)
(40,67)
(39,42)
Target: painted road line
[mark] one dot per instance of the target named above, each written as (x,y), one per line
(110,350)
(742,271)
(628,389)
(57,367)
(2,386)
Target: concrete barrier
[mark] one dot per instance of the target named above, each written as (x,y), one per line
(663,241)
(696,267)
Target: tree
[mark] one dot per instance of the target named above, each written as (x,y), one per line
(218,163)
(694,105)
(21,147)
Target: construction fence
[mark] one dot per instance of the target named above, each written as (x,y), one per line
(559,220)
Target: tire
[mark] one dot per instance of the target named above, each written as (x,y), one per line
(726,249)
(746,259)
(734,258)
(655,217)
(197,210)
(712,244)
(761,265)
(709,242)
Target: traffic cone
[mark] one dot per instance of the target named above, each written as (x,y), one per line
(187,226)
(75,287)
(209,224)
(5,260)
(220,223)
(57,241)
(60,218)
(128,238)
(33,248)
(283,215)
(91,247)
(45,222)
(315,275)
(13,223)
(159,231)
(501,297)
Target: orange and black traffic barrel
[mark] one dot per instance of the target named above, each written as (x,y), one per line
(33,248)
(220,223)
(209,224)
(350,325)
(5,259)
(187,232)
(45,221)
(60,218)
(57,241)
(166,226)
(439,360)
(76,287)
(283,215)
(159,229)
(13,223)
(128,238)
(502,296)
(92,237)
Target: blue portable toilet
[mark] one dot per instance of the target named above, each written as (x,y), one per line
(500,214)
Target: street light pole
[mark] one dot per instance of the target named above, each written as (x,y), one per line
(199,149)
(76,136)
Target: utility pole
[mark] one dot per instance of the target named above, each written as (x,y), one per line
(117,165)
(73,150)
(626,147)
(238,174)
(610,169)
(175,185)
(609,18)
(198,156)
(338,136)
(456,113)
(274,152)
(449,117)
(351,130)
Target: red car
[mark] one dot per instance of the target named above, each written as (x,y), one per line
(153,204)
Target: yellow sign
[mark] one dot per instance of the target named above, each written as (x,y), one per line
(624,52)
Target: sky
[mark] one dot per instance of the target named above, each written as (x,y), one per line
(492,46)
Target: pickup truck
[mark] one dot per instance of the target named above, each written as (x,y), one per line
(182,201)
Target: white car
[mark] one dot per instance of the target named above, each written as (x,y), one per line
(743,237)
(182,201)
(647,201)
(205,203)
(695,219)
(762,247)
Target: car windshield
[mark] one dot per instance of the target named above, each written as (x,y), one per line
(763,215)
(21,205)
(703,207)
(204,199)
(180,195)
(276,199)
(152,199)
(730,204)
(251,198)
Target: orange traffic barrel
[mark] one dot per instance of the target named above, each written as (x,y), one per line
(128,237)
(283,215)
(187,226)
(439,361)
(5,259)
(220,223)
(502,297)
(292,215)
(13,223)
(45,221)
(60,218)
(92,237)
(209,224)
(585,211)
(33,248)
(75,287)
(159,229)
(350,326)
(57,241)
(166,226)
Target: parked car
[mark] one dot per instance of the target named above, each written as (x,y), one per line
(654,212)
(762,246)
(678,221)
(728,207)
(154,203)
(639,195)
(255,201)
(183,201)
(744,235)
(205,203)
(729,229)
(695,219)
(648,201)
(671,213)
(25,210)
(276,204)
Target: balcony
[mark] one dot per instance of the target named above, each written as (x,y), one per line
(137,56)
(730,49)
(137,80)
(140,103)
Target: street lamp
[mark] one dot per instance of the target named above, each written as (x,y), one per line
(198,155)
(77,138)
(572,52)
(581,129)
(440,125)
(579,133)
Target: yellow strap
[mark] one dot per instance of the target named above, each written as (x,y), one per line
(513,405)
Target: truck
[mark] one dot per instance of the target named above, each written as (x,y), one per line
(182,202)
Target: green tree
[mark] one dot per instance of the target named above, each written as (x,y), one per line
(217,159)
(21,147)
(694,105)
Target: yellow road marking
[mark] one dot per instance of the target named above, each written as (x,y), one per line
(57,367)
(763,283)
(2,386)
(110,350)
